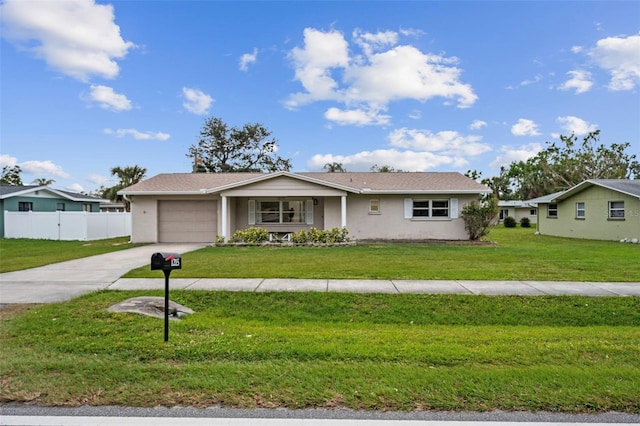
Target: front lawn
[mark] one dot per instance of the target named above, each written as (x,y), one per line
(304,350)
(23,253)
(518,254)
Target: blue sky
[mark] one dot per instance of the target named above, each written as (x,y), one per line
(420,86)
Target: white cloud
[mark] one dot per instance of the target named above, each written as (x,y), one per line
(7,160)
(446,142)
(620,56)
(196,101)
(384,73)
(536,78)
(401,160)
(580,80)
(120,133)
(248,58)
(76,187)
(43,168)
(107,98)
(357,117)
(578,126)
(78,38)
(98,179)
(525,127)
(510,154)
(478,124)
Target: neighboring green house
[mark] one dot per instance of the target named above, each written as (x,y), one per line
(18,198)
(597,209)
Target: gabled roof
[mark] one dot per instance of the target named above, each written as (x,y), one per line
(357,182)
(624,186)
(545,198)
(9,191)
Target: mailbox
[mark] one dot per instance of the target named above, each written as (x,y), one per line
(165,261)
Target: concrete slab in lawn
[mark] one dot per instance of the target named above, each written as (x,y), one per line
(362,286)
(227,284)
(501,288)
(151,283)
(292,285)
(430,287)
(559,288)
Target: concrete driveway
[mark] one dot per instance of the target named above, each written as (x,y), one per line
(66,280)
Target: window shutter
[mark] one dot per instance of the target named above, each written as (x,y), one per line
(308,214)
(408,208)
(453,208)
(252,212)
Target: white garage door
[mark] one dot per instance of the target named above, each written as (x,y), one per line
(187,221)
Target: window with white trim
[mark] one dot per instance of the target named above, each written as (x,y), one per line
(616,209)
(374,206)
(273,212)
(426,208)
(25,206)
(552,210)
(580,210)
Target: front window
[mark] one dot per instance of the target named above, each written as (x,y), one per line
(60,207)
(616,209)
(552,210)
(270,212)
(580,211)
(25,206)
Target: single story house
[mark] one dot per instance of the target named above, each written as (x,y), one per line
(24,198)
(597,209)
(197,207)
(518,209)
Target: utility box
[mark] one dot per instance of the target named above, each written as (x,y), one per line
(165,261)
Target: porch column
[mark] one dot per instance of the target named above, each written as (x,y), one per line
(224,225)
(343,211)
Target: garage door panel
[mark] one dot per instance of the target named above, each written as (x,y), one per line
(187,221)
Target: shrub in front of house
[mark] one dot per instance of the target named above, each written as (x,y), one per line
(525,222)
(252,235)
(509,222)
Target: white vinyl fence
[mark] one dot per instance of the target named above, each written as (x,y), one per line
(62,225)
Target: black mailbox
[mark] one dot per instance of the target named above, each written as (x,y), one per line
(165,261)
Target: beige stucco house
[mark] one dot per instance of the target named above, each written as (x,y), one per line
(517,209)
(598,209)
(197,207)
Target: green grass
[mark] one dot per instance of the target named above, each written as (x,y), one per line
(302,350)
(518,254)
(22,253)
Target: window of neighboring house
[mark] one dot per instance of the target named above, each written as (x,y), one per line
(421,208)
(86,208)
(25,206)
(616,209)
(374,206)
(533,212)
(504,213)
(552,210)
(273,212)
(580,211)
(60,207)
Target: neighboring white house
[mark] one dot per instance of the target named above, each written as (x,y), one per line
(197,207)
(518,209)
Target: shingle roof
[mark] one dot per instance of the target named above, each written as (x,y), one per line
(401,182)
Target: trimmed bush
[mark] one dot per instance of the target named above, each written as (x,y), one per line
(525,222)
(509,222)
(251,235)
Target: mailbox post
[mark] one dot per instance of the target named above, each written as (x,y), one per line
(166,262)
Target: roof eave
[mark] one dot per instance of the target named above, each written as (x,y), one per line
(426,191)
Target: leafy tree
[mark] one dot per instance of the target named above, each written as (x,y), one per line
(478,217)
(224,149)
(563,165)
(384,169)
(127,176)
(11,175)
(43,181)
(334,168)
